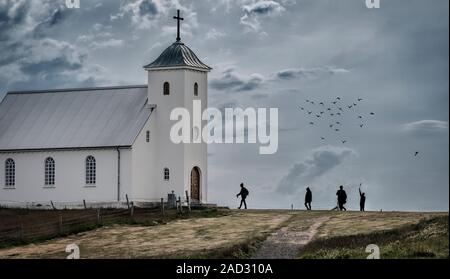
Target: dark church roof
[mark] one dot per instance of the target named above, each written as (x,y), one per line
(73,118)
(178,55)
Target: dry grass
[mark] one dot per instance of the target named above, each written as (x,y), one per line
(181,238)
(353,223)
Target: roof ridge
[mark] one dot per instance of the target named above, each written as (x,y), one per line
(177,55)
(75,89)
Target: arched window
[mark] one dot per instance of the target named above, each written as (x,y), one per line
(49,171)
(10,173)
(195,89)
(90,170)
(166,88)
(166,174)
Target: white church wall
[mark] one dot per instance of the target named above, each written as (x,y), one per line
(195,154)
(125,173)
(70,185)
(142,166)
(167,154)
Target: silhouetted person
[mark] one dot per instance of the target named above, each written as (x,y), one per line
(362,201)
(308,199)
(243,193)
(342,198)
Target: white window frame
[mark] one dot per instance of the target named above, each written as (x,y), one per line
(49,169)
(91,171)
(195,89)
(166,174)
(10,173)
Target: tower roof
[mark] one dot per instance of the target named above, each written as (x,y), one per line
(178,55)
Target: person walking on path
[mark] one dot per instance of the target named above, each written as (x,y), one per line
(342,198)
(308,198)
(243,193)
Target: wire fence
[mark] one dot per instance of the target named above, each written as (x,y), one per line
(47,224)
(28,221)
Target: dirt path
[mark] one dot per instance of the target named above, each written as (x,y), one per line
(287,241)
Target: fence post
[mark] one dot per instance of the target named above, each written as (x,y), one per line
(84,203)
(162,206)
(98,216)
(188,201)
(21,232)
(53,206)
(128,202)
(132,209)
(181,206)
(60,223)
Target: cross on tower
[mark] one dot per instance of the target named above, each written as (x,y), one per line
(178,18)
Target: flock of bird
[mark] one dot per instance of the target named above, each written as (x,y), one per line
(332,113)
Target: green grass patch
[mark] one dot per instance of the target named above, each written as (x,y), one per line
(426,239)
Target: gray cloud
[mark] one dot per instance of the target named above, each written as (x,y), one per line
(232,81)
(253,12)
(426,127)
(259,96)
(321,161)
(288,74)
(11,16)
(146,14)
(147,7)
(30,58)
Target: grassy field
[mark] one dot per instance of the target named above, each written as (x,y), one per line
(239,234)
(426,239)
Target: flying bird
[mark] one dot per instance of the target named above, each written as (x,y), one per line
(302,108)
(307,100)
(359,116)
(321,103)
(328,108)
(331,125)
(322,112)
(372,113)
(338,113)
(340,109)
(344,141)
(311,123)
(312,102)
(354,104)
(359,99)
(338,98)
(334,102)
(416,153)
(338,123)
(317,115)
(322,138)
(361,125)
(337,130)
(309,112)
(332,114)
(350,106)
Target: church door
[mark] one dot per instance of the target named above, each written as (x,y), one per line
(195,185)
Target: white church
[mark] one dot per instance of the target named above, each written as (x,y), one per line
(105,144)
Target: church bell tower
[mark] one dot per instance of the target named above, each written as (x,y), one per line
(175,79)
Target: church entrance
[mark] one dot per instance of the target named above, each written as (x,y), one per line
(195,185)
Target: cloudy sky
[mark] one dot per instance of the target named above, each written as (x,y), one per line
(273,54)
